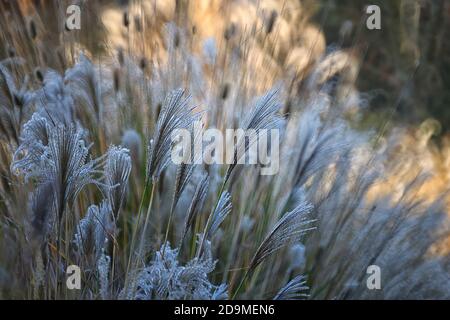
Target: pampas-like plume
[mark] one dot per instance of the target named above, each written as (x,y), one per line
(215,219)
(221,293)
(175,114)
(165,278)
(318,145)
(197,202)
(54,101)
(289,229)
(66,165)
(221,211)
(93,229)
(34,140)
(264,115)
(186,168)
(117,172)
(56,155)
(293,290)
(184,173)
(84,85)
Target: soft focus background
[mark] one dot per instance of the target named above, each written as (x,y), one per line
(404,68)
(410,53)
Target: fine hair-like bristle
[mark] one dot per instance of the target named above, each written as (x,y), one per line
(289,229)
(175,114)
(117,172)
(293,290)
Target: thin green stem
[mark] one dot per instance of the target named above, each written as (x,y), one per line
(133,236)
(240,284)
(172,208)
(144,231)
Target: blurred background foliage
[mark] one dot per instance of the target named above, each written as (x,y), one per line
(405,69)
(405,66)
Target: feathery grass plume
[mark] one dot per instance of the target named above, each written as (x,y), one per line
(289,229)
(187,165)
(293,290)
(117,172)
(384,231)
(263,116)
(221,292)
(175,114)
(65,164)
(318,145)
(166,279)
(393,234)
(54,100)
(183,175)
(201,192)
(221,211)
(217,216)
(84,85)
(34,141)
(92,231)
